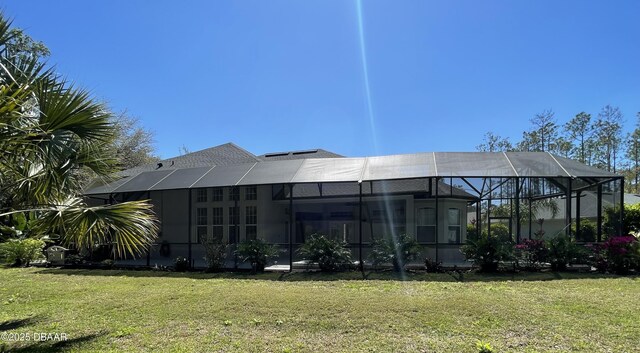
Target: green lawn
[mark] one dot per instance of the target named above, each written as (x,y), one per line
(172,312)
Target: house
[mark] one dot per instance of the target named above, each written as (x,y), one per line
(284,197)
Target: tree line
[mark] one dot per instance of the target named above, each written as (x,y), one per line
(596,141)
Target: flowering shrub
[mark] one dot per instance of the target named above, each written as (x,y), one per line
(532,253)
(617,254)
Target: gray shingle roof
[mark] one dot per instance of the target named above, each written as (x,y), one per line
(316,153)
(225,154)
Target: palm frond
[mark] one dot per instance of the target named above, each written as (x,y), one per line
(131,227)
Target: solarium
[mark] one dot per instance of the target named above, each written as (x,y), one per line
(360,199)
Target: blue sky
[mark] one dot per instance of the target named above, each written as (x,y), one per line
(286,75)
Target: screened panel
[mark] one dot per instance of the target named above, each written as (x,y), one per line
(329,170)
(473,164)
(582,170)
(340,189)
(273,172)
(107,188)
(223,176)
(409,186)
(181,178)
(304,190)
(144,181)
(535,164)
(399,166)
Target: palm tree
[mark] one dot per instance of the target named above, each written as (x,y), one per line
(52,135)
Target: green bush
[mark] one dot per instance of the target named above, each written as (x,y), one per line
(256,252)
(588,230)
(398,252)
(215,252)
(488,251)
(330,255)
(21,252)
(500,230)
(563,250)
(631,220)
(472,231)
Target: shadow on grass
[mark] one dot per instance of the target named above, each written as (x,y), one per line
(451,276)
(53,346)
(19,323)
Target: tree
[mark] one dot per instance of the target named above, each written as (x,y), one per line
(494,143)
(607,133)
(633,153)
(50,131)
(133,143)
(578,130)
(530,142)
(546,129)
(21,44)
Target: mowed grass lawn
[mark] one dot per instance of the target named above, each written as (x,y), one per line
(171,312)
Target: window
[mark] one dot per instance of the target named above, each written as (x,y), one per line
(453,218)
(251,221)
(201,224)
(218,223)
(201,195)
(251,193)
(234,219)
(234,194)
(217,195)
(426,225)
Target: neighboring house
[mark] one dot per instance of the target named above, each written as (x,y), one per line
(227,192)
(554,224)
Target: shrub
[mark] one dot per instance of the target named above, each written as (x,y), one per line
(472,230)
(329,254)
(563,251)
(215,252)
(630,222)
(433,266)
(532,252)
(257,252)
(618,254)
(399,252)
(181,264)
(500,230)
(21,252)
(588,231)
(488,251)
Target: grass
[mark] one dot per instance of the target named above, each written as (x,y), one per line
(172,312)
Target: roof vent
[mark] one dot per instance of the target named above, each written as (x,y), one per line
(159,165)
(279,154)
(304,152)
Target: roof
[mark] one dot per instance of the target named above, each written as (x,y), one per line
(316,153)
(225,154)
(327,170)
